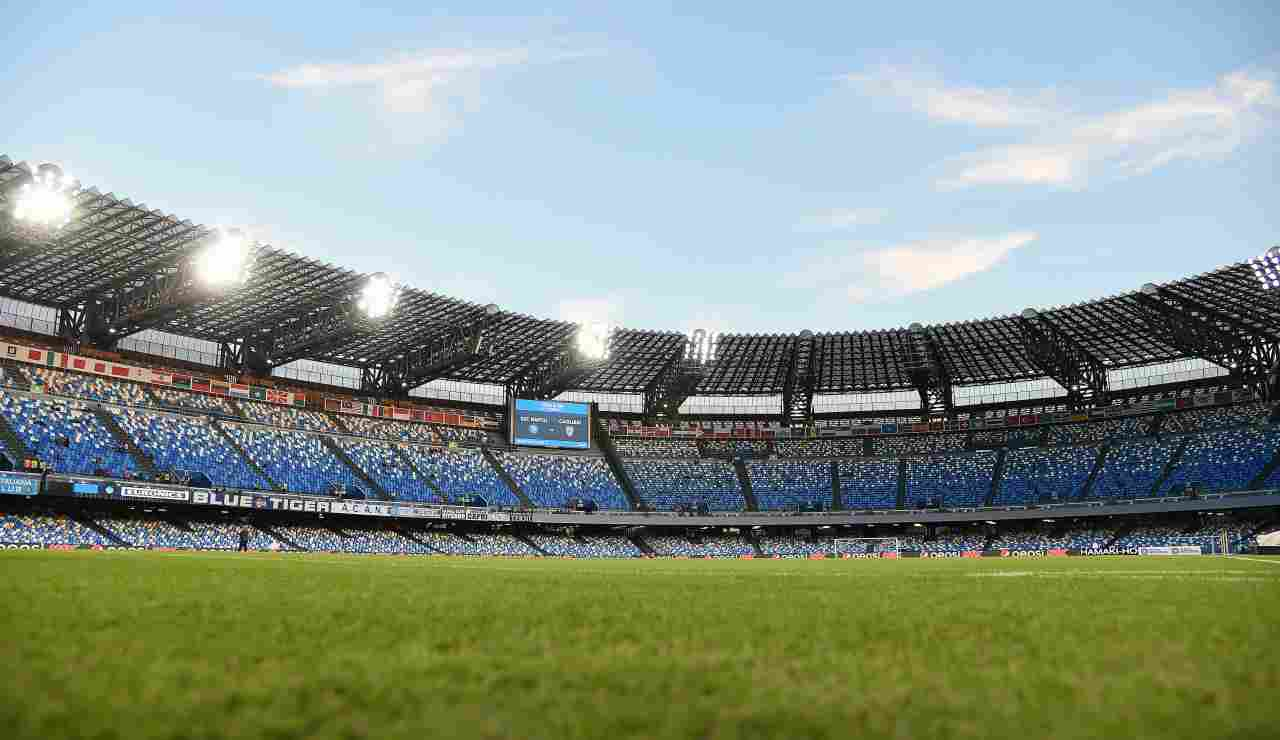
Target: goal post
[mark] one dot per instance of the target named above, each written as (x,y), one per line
(866,547)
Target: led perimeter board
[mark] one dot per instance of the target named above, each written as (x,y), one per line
(551,424)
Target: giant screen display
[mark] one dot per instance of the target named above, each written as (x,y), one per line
(551,424)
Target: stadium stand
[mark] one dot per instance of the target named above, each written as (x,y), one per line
(67,435)
(201,402)
(786,486)
(916,444)
(380,461)
(1038,475)
(1224,460)
(828,447)
(51,529)
(89,387)
(952,480)
(284,417)
(460,474)
(299,461)
(711,546)
(661,448)
(598,546)
(1132,469)
(185,443)
(869,484)
(396,431)
(667,485)
(554,480)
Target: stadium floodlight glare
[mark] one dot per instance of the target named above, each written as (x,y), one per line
(593,339)
(47,200)
(1266,267)
(378,297)
(225,262)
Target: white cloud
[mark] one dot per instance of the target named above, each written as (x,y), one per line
(836,219)
(433,86)
(1066,148)
(970,105)
(902,269)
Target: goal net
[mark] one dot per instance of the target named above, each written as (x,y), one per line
(866,547)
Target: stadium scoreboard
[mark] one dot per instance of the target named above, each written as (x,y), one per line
(551,424)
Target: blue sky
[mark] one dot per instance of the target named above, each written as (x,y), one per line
(733,168)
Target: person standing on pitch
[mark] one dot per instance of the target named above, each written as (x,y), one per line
(244,539)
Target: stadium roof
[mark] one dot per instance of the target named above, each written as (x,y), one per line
(113,246)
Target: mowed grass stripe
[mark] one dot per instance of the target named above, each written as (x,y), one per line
(141,645)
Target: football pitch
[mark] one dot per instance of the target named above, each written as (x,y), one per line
(149,645)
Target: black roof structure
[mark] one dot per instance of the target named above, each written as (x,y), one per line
(125,267)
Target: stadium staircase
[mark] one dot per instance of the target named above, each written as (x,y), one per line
(754,538)
(1103,449)
(244,455)
(532,544)
(744,480)
(1261,478)
(428,479)
(997,477)
(636,539)
(373,486)
(837,503)
(276,535)
(13,444)
(901,501)
(1174,460)
(605,441)
(91,524)
(145,463)
(506,477)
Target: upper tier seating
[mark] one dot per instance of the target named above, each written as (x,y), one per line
(1226,460)
(1132,468)
(1037,475)
(396,431)
(189,443)
(299,461)
(915,444)
(869,484)
(954,480)
(287,417)
(821,447)
(668,484)
(786,486)
(191,401)
(382,462)
(668,448)
(90,387)
(66,435)
(553,480)
(460,474)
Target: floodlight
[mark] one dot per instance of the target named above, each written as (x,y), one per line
(46,200)
(593,340)
(1266,268)
(225,262)
(378,297)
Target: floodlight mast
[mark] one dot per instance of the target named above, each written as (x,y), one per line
(379,296)
(47,200)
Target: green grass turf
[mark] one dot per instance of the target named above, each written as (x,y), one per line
(141,645)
